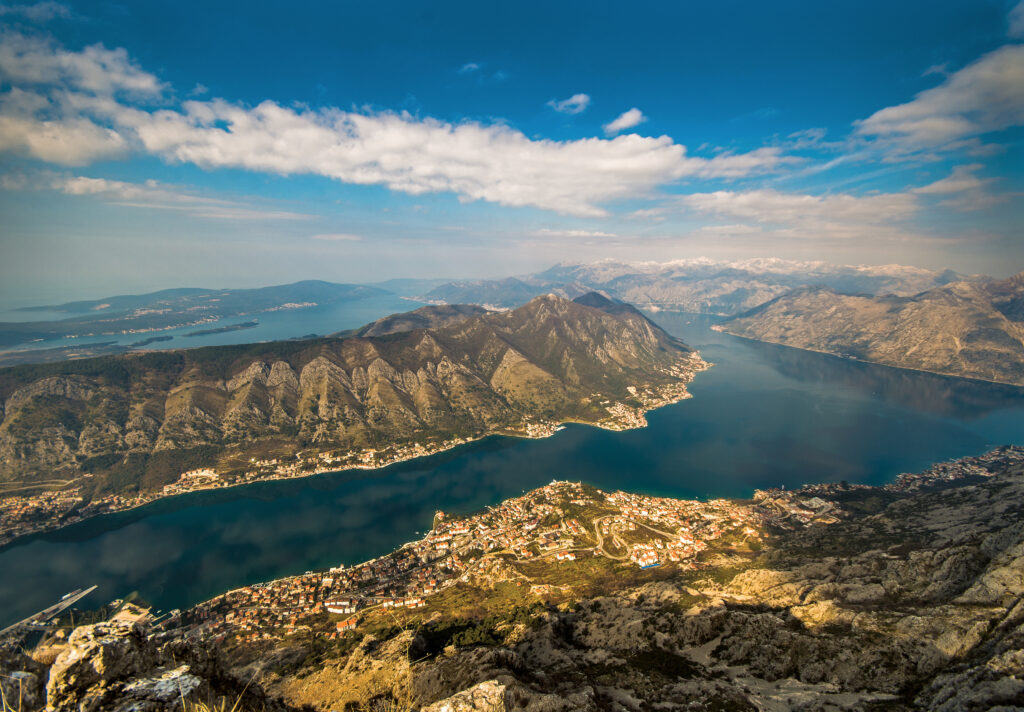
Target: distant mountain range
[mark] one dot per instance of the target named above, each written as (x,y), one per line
(137,421)
(968,329)
(697,285)
(172,308)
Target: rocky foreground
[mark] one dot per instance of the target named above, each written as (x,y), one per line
(912,598)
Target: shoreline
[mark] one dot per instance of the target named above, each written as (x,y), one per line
(717,327)
(813,504)
(542,430)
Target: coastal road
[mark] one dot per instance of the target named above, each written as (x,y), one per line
(600,540)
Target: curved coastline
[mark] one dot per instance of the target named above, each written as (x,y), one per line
(543,430)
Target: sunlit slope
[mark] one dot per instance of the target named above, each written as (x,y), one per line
(963,329)
(138,421)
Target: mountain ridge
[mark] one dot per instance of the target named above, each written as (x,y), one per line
(963,329)
(697,285)
(131,425)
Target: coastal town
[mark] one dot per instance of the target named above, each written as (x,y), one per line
(560,525)
(544,546)
(537,542)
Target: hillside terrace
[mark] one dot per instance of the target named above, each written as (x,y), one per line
(545,541)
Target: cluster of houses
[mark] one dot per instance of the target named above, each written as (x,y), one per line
(544,523)
(980,466)
(676,530)
(24,515)
(202,478)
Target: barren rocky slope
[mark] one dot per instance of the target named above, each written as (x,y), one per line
(972,330)
(138,421)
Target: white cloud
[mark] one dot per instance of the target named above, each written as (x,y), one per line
(547,232)
(960,180)
(84,114)
(96,69)
(469,67)
(575,104)
(986,95)
(37,12)
(475,161)
(69,142)
(1016,21)
(967,190)
(337,237)
(155,195)
(808,216)
(26,127)
(626,120)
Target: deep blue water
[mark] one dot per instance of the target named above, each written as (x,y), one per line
(763,415)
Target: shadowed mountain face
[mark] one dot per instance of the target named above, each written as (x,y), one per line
(430,317)
(138,421)
(698,286)
(962,329)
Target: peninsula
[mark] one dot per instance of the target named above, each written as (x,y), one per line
(98,435)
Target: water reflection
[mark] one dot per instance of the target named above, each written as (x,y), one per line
(924,392)
(763,416)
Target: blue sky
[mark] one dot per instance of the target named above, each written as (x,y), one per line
(148,145)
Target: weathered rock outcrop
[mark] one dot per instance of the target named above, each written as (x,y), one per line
(120,667)
(962,329)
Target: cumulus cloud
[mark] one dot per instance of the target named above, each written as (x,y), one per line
(67,142)
(469,67)
(96,69)
(575,104)
(986,95)
(153,194)
(626,120)
(37,12)
(86,105)
(961,179)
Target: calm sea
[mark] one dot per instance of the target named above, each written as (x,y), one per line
(762,416)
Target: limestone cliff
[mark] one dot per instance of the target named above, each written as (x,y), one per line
(964,329)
